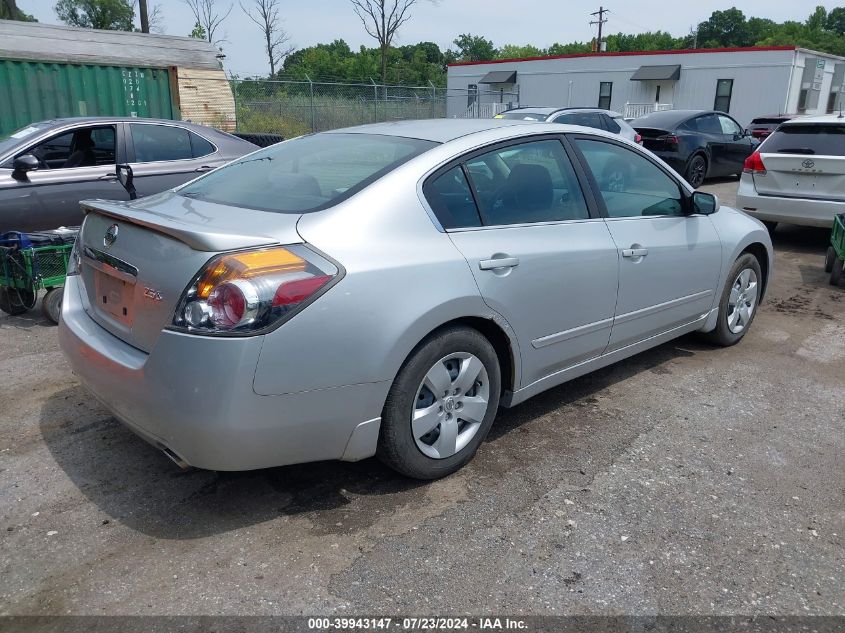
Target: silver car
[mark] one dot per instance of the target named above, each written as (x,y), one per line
(46,168)
(382,290)
(596,118)
(797,176)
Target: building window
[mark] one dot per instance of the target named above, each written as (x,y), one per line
(724,88)
(472,95)
(802,99)
(605,92)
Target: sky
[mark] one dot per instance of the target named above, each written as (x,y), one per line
(538,22)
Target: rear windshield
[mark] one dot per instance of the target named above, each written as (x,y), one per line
(523,116)
(824,139)
(305,174)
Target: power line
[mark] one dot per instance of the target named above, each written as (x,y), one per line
(601,21)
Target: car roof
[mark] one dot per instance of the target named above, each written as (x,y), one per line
(668,117)
(436,130)
(549,111)
(822,118)
(85,120)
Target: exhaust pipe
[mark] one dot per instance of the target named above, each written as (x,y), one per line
(181,463)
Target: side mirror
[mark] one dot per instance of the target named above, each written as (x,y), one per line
(25,163)
(125,177)
(704,203)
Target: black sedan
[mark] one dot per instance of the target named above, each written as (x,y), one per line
(698,144)
(46,168)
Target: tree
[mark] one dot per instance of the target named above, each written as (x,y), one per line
(266,16)
(474,48)
(724,29)
(818,19)
(514,51)
(208,16)
(9,11)
(381,20)
(115,15)
(199,32)
(836,20)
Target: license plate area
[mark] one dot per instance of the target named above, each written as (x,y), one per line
(114,297)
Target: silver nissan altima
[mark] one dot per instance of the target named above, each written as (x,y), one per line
(383,290)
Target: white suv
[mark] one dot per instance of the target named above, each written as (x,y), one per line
(797,176)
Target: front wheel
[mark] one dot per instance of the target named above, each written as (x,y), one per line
(441,405)
(739,301)
(696,171)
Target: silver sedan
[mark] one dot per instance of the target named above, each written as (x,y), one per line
(383,290)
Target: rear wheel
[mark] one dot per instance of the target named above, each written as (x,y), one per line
(51,304)
(739,301)
(441,405)
(696,171)
(829,258)
(836,272)
(16,301)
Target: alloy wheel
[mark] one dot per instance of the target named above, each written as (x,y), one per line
(450,405)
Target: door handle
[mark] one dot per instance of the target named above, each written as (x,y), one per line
(204,168)
(634,252)
(108,177)
(501,262)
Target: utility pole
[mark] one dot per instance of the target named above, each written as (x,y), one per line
(601,21)
(145,22)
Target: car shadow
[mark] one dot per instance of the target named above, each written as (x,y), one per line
(136,485)
(27,321)
(801,239)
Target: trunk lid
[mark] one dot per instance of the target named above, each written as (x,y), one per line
(654,139)
(133,282)
(804,160)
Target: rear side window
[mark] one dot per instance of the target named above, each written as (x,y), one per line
(199,146)
(451,200)
(160,142)
(824,139)
(306,174)
(530,182)
(611,124)
(585,119)
(522,116)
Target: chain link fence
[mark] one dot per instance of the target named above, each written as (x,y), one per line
(292,108)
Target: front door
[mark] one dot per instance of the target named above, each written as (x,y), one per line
(538,257)
(669,261)
(738,146)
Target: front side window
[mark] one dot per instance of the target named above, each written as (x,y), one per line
(86,147)
(306,174)
(605,94)
(630,184)
(729,126)
(724,88)
(530,182)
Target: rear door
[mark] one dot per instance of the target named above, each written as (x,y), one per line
(164,156)
(519,215)
(669,262)
(804,161)
(708,128)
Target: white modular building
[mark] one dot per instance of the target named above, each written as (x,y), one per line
(744,82)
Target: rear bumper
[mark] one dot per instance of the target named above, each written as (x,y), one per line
(800,211)
(194,396)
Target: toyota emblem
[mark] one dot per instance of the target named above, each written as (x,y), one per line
(808,164)
(111,236)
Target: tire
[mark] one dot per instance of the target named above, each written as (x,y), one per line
(725,333)
(836,272)
(770,226)
(696,171)
(418,457)
(14,301)
(51,304)
(262,140)
(829,258)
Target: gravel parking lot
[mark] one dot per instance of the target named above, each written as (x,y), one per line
(687,480)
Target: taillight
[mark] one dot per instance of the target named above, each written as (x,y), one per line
(754,165)
(252,291)
(670,142)
(638,139)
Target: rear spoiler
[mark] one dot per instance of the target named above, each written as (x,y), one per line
(197,237)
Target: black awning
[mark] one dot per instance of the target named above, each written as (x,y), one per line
(499,77)
(670,72)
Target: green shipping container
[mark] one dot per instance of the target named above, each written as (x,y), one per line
(35,91)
